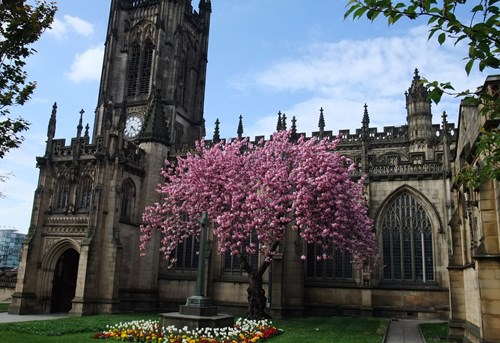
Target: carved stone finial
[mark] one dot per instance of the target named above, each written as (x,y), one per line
(417,91)
(240,128)
(294,129)
(366,118)
(203,128)
(321,122)
(444,124)
(216,138)
(51,130)
(86,135)
(279,125)
(80,126)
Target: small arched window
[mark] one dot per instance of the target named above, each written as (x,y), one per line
(128,201)
(407,241)
(85,193)
(62,193)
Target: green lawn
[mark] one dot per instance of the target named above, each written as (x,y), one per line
(304,330)
(435,332)
(331,329)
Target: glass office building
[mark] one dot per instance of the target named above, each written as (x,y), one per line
(10,248)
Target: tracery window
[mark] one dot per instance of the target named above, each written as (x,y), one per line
(62,193)
(128,201)
(133,70)
(187,254)
(140,66)
(407,241)
(85,193)
(147,61)
(338,267)
(232,263)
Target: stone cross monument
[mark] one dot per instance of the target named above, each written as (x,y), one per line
(198,310)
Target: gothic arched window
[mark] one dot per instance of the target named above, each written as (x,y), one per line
(407,241)
(85,193)
(62,193)
(187,254)
(128,201)
(147,62)
(338,267)
(232,263)
(133,69)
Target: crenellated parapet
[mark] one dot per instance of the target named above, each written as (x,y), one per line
(61,151)
(384,154)
(134,4)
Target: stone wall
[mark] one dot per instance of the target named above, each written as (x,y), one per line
(7,287)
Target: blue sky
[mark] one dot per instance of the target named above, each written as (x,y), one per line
(265,56)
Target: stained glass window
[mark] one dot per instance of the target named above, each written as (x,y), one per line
(407,241)
(338,265)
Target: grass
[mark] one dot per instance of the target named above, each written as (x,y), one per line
(331,329)
(304,330)
(435,332)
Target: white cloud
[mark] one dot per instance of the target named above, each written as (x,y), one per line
(80,26)
(61,28)
(58,28)
(87,65)
(342,76)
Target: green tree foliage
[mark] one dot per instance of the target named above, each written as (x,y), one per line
(21,24)
(475,22)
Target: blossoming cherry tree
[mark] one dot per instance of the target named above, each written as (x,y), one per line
(263,189)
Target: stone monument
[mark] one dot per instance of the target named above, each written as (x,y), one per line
(199,312)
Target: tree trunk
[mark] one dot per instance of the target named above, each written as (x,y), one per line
(257,300)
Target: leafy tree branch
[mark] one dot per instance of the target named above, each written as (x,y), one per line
(475,22)
(22,25)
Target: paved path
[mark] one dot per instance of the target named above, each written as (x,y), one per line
(404,331)
(11,318)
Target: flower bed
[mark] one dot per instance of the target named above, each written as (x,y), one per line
(244,331)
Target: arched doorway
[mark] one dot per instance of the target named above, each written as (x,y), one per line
(64,281)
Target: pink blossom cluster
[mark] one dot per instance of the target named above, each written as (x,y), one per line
(269,187)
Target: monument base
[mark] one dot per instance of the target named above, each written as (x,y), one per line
(198,305)
(194,321)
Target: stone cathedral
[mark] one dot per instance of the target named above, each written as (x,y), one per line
(439,241)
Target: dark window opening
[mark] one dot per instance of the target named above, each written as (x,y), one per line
(147,61)
(339,266)
(133,70)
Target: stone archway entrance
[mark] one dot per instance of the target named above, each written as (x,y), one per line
(64,281)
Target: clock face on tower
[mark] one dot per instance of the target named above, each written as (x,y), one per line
(133,126)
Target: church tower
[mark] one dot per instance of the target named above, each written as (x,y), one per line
(420,131)
(82,250)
